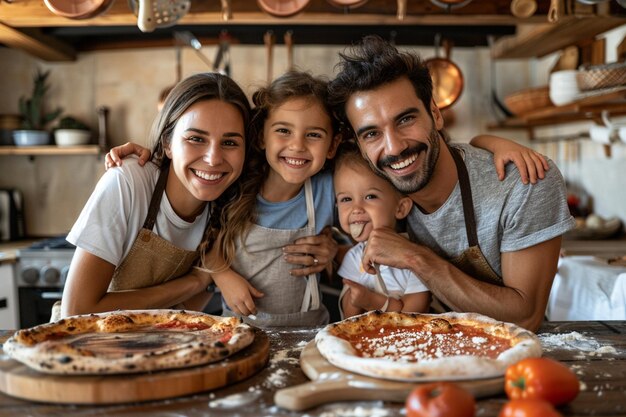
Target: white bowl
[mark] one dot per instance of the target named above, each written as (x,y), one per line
(71,137)
(31,137)
(562,98)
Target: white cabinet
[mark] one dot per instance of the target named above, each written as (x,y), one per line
(8,297)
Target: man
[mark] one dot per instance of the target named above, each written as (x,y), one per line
(480,244)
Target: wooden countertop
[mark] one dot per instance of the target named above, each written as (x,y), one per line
(596,351)
(606,248)
(8,250)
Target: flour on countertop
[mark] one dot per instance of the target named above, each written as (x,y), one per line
(358,411)
(277,378)
(235,400)
(587,346)
(282,359)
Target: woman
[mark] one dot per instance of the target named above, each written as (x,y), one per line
(140,231)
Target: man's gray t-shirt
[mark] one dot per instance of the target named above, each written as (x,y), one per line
(510,216)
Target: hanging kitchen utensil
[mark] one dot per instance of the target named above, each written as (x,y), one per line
(446,75)
(401,13)
(289,45)
(221,63)
(227,11)
(495,101)
(187,38)
(450,4)
(268,40)
(523,8)
(347,4)
(282,8)
(152,14)
(78,9)
(164,93)
(555,11)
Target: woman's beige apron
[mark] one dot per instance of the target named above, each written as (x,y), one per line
(152,260)
(288,300)
(471,260)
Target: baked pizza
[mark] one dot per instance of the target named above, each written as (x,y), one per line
(129,341)
(421,347)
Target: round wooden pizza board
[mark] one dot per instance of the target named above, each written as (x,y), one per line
(330,384)
(18,380)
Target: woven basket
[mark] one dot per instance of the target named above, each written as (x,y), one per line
(525,101)
(602,76)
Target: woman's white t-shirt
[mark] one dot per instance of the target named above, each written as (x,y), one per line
(115,213)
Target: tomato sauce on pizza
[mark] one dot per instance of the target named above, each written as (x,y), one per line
(414,343)
(425,347)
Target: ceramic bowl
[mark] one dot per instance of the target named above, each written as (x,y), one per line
(71,137)
(31,137)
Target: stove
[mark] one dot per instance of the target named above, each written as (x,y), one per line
(45,263)
(40,273)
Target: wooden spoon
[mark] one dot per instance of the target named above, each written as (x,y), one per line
(289,44)
(268,40)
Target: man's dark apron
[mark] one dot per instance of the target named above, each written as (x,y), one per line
(471,260)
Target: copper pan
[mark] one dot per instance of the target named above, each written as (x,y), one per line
(78,9)
(347,4)
(447,78)
(282,8)
(450,4)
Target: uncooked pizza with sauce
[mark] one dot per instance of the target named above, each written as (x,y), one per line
(421,347)
(128,341)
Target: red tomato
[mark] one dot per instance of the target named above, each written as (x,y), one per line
(542,379)
(440,399)
(528,408)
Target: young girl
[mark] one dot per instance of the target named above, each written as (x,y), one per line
(286,209)
(141,228)
(366,202)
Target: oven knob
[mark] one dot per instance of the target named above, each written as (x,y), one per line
(64,271)
(50,275)
(30,275)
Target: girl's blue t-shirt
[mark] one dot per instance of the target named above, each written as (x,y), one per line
(291,214)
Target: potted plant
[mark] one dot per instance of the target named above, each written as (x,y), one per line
(71,131)
(34,117)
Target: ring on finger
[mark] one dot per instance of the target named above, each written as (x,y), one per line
(315,261)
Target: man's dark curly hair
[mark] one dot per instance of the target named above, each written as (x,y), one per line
(372,63)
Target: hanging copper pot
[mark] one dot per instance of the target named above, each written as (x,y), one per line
(450,4)
(78,9)
(347,4)
(282,8)
(447,77)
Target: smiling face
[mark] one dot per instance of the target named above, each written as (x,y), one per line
(297,138)
(396,133)
(366,201)
(207,150)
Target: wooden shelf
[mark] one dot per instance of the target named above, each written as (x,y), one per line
(50,150)
(540,40)
(588,108)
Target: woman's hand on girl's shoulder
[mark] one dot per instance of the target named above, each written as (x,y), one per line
(115,155)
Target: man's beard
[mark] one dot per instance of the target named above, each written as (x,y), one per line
(417,180)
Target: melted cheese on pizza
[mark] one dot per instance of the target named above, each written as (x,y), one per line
(414,343)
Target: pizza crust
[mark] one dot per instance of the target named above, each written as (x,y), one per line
(130,341)
(341,353)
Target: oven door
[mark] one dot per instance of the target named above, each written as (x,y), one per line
(36,304)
